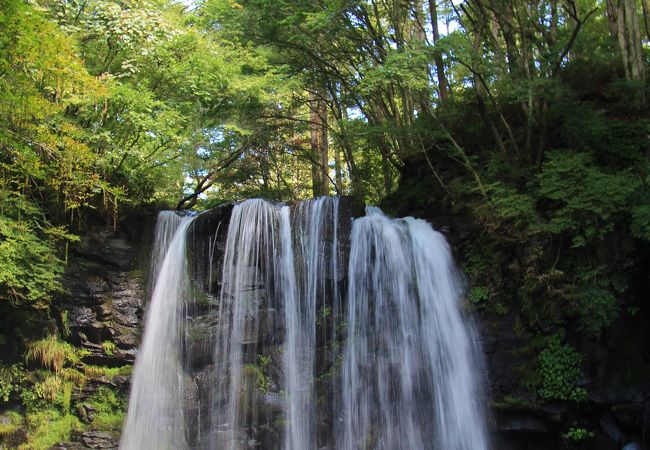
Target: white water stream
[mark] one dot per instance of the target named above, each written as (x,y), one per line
(401,357)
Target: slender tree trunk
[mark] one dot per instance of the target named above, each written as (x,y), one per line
(340,113)
(388,176)
(443,84)
(315,143)
(323,147)
(358,192)
(338,169)
(480,99)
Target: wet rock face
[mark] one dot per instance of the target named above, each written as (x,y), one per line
(91,439)
(102,308)
(101,311)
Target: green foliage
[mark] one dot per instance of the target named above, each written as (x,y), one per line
(53,354)
(588,199)
(109,409)
(479,294)
(109,347)
(576,434)
(598,309)
(559,366)
(12,379)
(29,269)
(47,427)
(640,225)
(506,204)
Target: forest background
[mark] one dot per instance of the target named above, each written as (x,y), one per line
(527,119)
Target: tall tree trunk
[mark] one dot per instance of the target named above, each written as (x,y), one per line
(324,148)
(645,4)
(338,169)
(624,26)
(388,176)
(340,112)
(315,143)
(443,84)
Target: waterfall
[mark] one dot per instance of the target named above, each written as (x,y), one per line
(410,378)
(155,418)
(245,306)
(317,283)
(309,347)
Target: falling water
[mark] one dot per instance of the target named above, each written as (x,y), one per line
(265,275)
(317,284)
(410,360)
(246,308)
(155,418)
(406,376)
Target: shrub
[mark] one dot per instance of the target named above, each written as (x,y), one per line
(560,370)
(577,434)
(11,379)
(584,210)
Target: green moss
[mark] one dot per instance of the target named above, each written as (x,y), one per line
(10,423)
(109,373)
(109,409)
(137,273)
(512,402)
(74,375)
(108,421)
(47,427)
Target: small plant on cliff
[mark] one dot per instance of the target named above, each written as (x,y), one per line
(598,307)
(52,353)
(577,434)
(109,347)
(258,372)
(11,379)
(479,294)
(560,370)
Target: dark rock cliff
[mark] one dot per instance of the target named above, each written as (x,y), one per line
(101,312)
(614,366)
